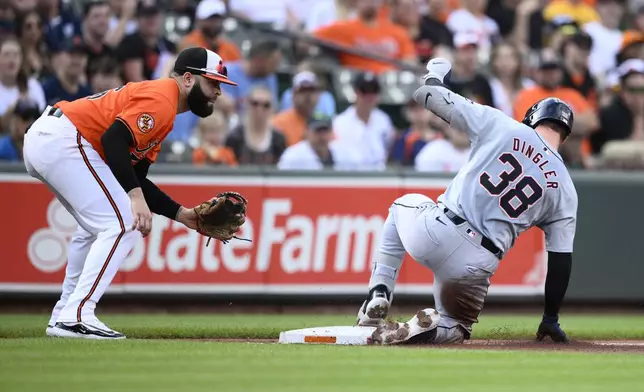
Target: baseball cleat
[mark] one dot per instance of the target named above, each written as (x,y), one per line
(393,332)
(374,310)
(48,330)
(84,330)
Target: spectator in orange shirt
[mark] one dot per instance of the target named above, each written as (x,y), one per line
(292,123)
(208,31)
(212,151)
(548,78)
(370,34)
(431,37)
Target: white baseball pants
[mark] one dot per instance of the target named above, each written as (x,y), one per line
(56,154)
(462,268)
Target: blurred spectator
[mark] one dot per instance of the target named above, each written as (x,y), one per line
(632,46)
(29,29)
(326,12)
(209,30)
(306,94)
(326,101)
(23,115)
(255,141)
(122,21)
(22,7)
(471,19)
(60,22)
(212,134)
(504,13)
(14,82)
(424,127)
(7,19)
(364,126)
(549,77)
(281,13)
(623,119)
(318,150)
(466,79)
(180,19)
(580,11)
(95,28)
(144,54)
(507,78)
(606,36)
(575,51)
(529,24)
(68,83)
(369,34)
(258,69)
(104,75)
(446,155)
(429,34)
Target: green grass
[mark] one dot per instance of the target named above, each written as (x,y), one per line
(149,361)
(51,365)
(162,326)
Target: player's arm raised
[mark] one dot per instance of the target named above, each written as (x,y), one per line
(460,112)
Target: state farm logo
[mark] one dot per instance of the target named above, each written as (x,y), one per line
(47,247)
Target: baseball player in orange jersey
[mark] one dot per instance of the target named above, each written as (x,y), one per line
(94,154)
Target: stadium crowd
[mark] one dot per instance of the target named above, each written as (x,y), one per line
(285,112)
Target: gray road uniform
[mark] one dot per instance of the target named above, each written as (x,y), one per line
(513,180)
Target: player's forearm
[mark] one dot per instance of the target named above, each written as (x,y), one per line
(559,268)
(435,96)
(116,142)
(158,201)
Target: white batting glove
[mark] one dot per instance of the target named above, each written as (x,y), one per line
(437,68)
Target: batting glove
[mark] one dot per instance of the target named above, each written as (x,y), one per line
(437,68)
(550,327)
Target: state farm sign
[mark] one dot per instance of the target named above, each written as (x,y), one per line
(309,236)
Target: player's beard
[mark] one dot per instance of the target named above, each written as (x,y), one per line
(198,102)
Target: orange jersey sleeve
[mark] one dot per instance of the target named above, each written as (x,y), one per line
(147,109)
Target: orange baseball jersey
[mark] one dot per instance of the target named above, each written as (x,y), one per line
(147,109)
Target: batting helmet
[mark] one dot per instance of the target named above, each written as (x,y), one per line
(550,109)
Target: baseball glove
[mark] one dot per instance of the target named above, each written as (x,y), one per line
(222,216)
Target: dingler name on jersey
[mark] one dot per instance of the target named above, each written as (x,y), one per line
(529,151)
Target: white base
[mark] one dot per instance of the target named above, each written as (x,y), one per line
(342,335)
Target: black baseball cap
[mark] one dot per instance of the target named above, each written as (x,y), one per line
(204,62)
(366,82)
(27,109)
(320,122)
(148,8)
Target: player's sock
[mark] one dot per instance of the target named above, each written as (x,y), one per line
(385,272)
(389,258)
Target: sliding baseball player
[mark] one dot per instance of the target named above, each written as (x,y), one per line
(514,179)
(94,154)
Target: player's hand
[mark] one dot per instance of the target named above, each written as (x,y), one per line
(550,327)
(188,217)
(141,212)
(437,68)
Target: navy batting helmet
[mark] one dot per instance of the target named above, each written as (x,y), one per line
(550,109)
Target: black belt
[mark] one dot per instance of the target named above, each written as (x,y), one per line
(485,242)
(56,112)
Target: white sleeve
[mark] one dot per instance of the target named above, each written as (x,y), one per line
(37,93)
(288,160)
(461,113)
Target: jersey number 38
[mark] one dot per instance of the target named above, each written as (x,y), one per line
(514,200)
